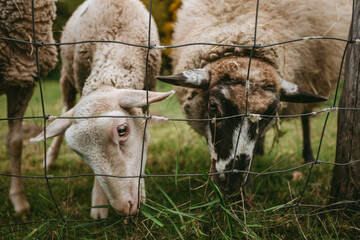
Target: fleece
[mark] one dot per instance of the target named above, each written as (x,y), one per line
(17,60)
(312,64)
(92,65)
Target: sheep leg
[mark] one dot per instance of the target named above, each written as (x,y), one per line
(17,102)
(69,99)
(98,198)
(307,151)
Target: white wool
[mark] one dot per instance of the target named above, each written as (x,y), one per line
(107,75)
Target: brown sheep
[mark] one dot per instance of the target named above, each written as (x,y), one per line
(283,79)
(18,73)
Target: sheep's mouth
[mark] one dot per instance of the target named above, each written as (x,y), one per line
(235,175)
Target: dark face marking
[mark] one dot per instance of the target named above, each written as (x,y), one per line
(232,182)
(220,106)
(234,138)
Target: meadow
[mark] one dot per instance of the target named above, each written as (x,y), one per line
(179,207)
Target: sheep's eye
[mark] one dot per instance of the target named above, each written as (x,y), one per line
(212,105)
(123,130)
(269,88)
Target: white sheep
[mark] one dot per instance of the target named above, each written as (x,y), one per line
(213,78)
(111,79)
(18,73)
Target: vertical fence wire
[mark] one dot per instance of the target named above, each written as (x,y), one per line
(147,104)
(247,87)
(42,106)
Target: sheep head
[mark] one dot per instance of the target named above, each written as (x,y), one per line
(110,145)
(219,91)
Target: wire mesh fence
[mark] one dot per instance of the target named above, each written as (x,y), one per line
(315,209)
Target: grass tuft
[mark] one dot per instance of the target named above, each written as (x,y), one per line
(179,207)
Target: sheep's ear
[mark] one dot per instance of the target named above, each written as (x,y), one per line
(197,78)
(128,98)
(290,92)
(57,127)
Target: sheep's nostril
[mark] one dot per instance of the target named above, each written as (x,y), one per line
(133,208)
(243,162)
(130,207)
(126,207)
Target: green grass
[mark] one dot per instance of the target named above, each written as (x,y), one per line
(182,207)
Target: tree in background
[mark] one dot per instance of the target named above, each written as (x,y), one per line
(346,179)
(164,13)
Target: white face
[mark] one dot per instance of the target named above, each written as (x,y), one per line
(112,146)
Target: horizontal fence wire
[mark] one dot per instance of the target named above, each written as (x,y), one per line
(319,209)
(155,117)
(40,44)
(184,174)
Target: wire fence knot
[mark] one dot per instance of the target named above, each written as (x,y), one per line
(159,118)
(331,109)
(314,37)
(356,41)
(254,117)
(157,47)
(38,44)
(49,176)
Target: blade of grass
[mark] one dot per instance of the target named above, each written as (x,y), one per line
(168,210)
(213,186)
(195,229)
(216,222)
(84,225)
(147,234)
(219,195)
(111,225)
(167,197)
(253,234)
(31,234)
(250,235)
(61,232)
(175,227)
(47,200)
(176,169)
(193,207)
(151,217)
(233,216)
(53,225)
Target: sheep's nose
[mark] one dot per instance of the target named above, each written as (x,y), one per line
(230,183)
(133,209)
(126,208)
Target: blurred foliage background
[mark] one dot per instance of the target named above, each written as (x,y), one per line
(163,11)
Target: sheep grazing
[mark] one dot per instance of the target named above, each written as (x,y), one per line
(111,79)
(18,73)
(283,79)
